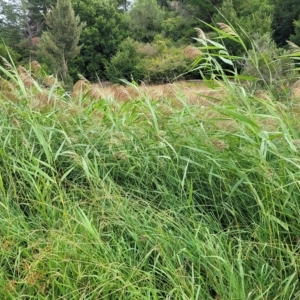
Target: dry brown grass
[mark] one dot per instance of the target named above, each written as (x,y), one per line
(134,92)
(296,109)
(95,92)
(81,87)
(263,95)
(194,93)
(120,93)
(202,95)
(37,98)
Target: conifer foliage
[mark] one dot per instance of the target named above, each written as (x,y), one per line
(59,44)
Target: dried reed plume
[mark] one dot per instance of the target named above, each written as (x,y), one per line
(262,94)
(133,92)
(191,52)
(81,77)
(49,81)
(200,34)
(7,65)
(25,77)
(293,47)
(5,85)
(226,28)
(219,144)
(22,70)
(120,92)
(27,80)
(35,67)
(95,92)
(269,124)
(9,95)
(42,99)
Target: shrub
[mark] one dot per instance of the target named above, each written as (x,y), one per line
(166,63)
(179,29)
(8,53)
(125,64)
(157,62)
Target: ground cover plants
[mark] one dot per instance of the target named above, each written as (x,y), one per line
(136,195)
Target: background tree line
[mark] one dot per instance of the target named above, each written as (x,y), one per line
(143,40)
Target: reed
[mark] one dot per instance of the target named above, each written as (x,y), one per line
(137,197)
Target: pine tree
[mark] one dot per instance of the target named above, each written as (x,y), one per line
(59,44)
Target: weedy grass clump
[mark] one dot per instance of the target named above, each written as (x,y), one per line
(148,199)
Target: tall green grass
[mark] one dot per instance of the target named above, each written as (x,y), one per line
(149,199)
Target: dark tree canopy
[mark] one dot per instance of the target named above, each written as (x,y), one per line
(37,11)
(202,9)
(295,38)
(285,13)
(106,28)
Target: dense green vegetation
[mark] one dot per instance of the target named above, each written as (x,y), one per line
(117,193)
(152,199)
(158,30)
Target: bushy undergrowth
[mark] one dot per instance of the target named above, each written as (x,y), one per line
(156,62)
(148,199)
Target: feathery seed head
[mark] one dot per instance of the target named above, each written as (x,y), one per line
(200,33)
(226,28)
(191,52)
